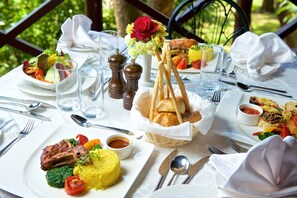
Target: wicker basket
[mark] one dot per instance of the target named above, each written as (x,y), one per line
(168,142)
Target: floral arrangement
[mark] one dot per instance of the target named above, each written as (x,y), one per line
(144,35)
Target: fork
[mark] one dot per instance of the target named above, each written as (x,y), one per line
(214,150)
(236,147)
(216,96)
(27,129)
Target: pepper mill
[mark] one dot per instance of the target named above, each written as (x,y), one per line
(132,73)
(117,85)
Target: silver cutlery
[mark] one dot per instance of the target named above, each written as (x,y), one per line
(5,123)
(179,165)
(85,123)
(195,168)
(237,147)
(27,129)
(251,87)
(164,168)
(28,107)
(216,96)
(214,150)
(26,113)
(43,104)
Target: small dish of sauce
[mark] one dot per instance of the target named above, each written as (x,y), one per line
(249,114)
(121,144)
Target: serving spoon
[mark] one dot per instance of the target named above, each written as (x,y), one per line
(249,88)
(85,123)
(179,165)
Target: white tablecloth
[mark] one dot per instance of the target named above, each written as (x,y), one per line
(148,178)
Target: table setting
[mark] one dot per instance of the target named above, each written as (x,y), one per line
(86,99)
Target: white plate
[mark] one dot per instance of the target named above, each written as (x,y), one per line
(185,191)
(34,90)
(38,83)
(29,180)
(226,123)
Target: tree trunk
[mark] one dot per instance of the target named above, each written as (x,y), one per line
(164,6)
(268,6)
(125,13)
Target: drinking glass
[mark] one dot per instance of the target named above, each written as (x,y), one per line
(109,42)
(91,94)
(211,67)
(66,86)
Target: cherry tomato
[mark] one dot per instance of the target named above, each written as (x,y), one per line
(81,139)
(295,120)
(73,185)
(285,131)
(39,74)
(196,64)
(183,64)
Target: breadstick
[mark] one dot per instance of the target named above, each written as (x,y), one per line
(181,87)
(172,95)
(154,97)
(168,68)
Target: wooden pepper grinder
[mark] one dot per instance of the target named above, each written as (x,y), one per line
(132,73)
(117,85)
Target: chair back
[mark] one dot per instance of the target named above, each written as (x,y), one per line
(208,21)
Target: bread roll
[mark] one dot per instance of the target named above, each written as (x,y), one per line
(166,105)
(192,117)
(166,119)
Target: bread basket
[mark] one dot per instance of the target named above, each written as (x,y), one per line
(144,110)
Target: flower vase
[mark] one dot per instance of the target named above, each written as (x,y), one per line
(145,60)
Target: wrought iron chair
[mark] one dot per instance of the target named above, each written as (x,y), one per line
(208,21)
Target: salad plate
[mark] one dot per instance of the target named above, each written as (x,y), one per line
(226,123)
(29,179)
(37,83)
(30,88)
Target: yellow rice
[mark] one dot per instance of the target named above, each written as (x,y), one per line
(103,172)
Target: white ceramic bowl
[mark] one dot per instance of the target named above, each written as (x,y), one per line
(245,115)
(35,82)
(121,144)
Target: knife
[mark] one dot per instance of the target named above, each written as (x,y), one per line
(165,167)
(43,104)
(26,113)
(194,169)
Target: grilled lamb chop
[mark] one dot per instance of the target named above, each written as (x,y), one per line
(60,154)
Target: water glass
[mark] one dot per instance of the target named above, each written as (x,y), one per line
(211,67)
(66,86)
(109,42)
(91,92)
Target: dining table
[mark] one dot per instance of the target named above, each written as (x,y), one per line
(146,179)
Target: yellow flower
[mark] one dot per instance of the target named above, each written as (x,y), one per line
(129,28)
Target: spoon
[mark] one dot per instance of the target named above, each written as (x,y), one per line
(29,107)
(85,123)
(179,165)
(249,88)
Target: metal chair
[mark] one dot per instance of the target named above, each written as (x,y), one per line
(208,21)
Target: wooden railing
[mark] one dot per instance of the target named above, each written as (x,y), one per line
(94,12)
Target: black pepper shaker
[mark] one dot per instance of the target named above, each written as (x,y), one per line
(132,73)
(117,85)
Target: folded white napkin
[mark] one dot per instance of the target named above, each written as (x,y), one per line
(140,112)
(261,55)
(75,33)
(269,169)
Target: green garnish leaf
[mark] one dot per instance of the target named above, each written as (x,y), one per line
(264,135)
(73,141)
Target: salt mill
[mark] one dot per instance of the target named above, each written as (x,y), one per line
(132,73)
(117,85)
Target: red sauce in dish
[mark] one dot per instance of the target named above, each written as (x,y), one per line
(118,143)
(250,111)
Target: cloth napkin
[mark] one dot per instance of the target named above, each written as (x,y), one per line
(140,112)
(76,33)
(269,169)
(261,55)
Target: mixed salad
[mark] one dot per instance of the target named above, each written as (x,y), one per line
(41,67)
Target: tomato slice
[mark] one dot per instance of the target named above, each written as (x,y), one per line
(81,139)
(196,64)
(39,73)
(74,185)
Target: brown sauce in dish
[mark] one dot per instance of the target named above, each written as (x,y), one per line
(250,111)
(118,143)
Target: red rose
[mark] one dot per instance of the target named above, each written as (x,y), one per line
(144,27)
